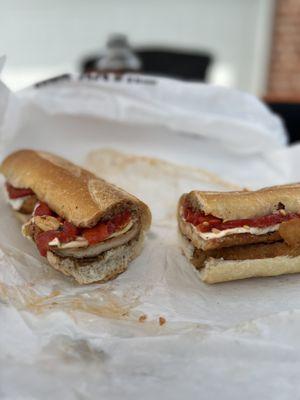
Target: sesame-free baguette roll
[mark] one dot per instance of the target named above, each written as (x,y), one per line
(237,235)
(72,192)
(246,204)
(86,227)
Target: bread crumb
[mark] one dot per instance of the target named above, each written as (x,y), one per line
(162,321)
(55,293)
(143,318)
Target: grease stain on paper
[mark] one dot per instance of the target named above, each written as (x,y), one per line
(101,302)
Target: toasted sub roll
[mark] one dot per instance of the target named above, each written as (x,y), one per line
(247,204)
(236,235)
(85,226)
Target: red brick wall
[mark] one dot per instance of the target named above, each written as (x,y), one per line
(284,72)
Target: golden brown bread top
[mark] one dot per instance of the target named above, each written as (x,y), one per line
(246,204)
(71,191)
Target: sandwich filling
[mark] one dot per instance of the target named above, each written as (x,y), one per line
(206,236)
(210,227)
(20,199)
(50,232)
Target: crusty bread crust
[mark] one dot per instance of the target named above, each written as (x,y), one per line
(246,204)
(101,269)
(215,270)
(71,191)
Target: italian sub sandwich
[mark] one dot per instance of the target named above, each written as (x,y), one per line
(243,234)
(86,227)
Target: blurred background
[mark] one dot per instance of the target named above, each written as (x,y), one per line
(252,45)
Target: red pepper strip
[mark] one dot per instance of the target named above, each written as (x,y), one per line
(205,223)
(64,234)
(104,229)
(69,232)
(15,193)
(42,209)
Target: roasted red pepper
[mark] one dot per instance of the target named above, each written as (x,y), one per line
(205,223)
(104,229)
(66,233)
(42,209)
(16,193)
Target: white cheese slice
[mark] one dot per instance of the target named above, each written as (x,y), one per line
(232,231)
(79,242)
(17,204)
(226,232)
(54,242)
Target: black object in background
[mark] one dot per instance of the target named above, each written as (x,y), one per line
(290,113)
(173,63)
(167,62)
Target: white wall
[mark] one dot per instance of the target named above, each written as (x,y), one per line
(45,37)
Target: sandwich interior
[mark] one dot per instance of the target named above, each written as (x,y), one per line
(91,254)
(97,253)
(235,249)
(22,201)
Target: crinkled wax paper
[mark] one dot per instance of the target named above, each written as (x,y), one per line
(156,331)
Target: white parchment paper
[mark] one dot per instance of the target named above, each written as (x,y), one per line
(156,331)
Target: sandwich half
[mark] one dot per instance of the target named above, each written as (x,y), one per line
(86,227)
(242,234)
